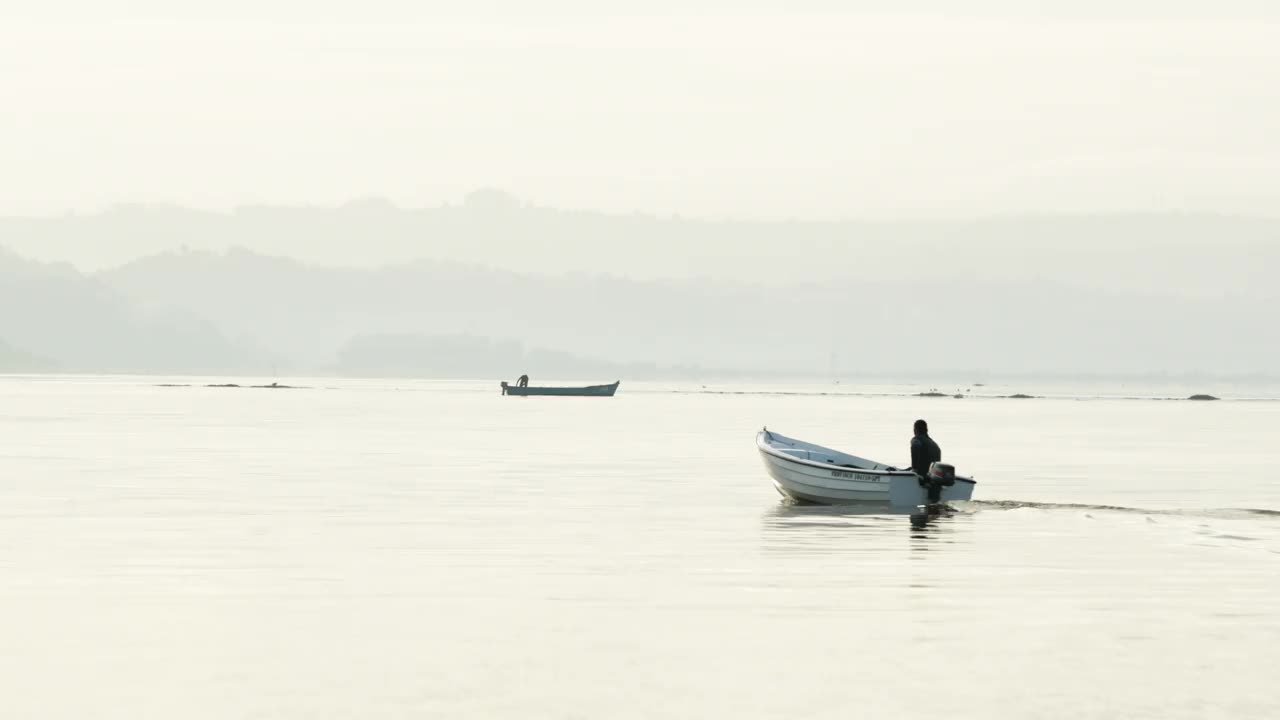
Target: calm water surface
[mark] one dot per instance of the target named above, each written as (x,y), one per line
(413,549)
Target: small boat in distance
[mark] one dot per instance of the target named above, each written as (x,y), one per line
(588,391)
(808,473)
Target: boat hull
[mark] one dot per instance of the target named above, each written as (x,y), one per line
(811,474)
(589,391)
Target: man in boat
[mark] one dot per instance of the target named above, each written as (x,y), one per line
(523,381)
(925,452)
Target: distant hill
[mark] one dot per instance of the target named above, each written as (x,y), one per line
(13,360)
(1128,294)
(308,315)
(155,316)
(420,355)
(1196,254)
(79,323)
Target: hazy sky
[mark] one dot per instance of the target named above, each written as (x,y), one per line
(741,109)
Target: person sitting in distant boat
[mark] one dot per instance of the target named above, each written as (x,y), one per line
(523,381)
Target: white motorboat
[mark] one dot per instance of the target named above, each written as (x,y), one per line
(805,472)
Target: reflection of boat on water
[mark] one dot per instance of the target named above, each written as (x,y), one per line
(805,472)
(587,391)
(803,526)
(923,516)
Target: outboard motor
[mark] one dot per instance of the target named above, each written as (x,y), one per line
(940,475)
(944,472)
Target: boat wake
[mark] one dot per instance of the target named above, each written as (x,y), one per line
(975,506)
(1255,528)
(976,396)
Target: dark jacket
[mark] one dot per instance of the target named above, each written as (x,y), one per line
(923,452)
